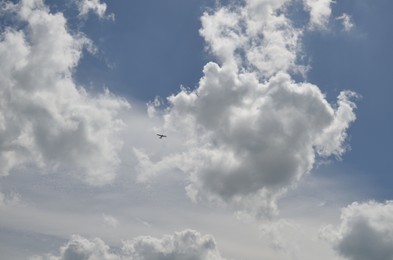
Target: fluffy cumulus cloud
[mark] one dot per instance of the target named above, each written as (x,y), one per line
(46,119)
(251,131)
(366,231)
(82,248)
(185,245)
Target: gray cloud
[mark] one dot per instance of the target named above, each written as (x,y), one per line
(46,119)
(365,232)
(184,245)
(9,199)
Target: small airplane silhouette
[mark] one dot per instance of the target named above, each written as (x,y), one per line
(161,136)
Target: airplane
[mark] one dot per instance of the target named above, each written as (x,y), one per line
(161,136)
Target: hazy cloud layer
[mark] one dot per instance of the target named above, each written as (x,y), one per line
(365,232)
(110,221)
(8,199)
(46,119)
(251,131)
(185,245)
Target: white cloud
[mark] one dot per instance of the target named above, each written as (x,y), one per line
(95,6)
(250,131)
(365,232)
(184,245)
(46,119)
(320,11)
(81,248)
(346,21)
(253,36)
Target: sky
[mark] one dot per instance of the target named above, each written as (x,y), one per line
(276,113)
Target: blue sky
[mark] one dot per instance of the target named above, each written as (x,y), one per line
(158,36)
(360,61)
(277,115)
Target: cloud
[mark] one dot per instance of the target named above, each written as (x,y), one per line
(110,221)
(95,6)
(9,199)
(250,130)
(253,36)
(365,232)
(81,248)
(320,12)
(184,245)
(272,231)
(46,119)
(346,21)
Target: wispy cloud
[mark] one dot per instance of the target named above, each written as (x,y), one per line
(346,21)
(320,11)
(94,6)
(110,221)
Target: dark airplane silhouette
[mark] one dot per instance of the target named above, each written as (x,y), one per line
(161,136)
